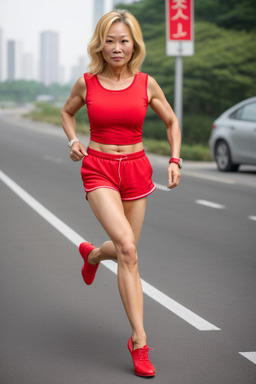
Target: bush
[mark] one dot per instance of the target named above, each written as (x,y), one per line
(197,128)
(197,152)
(52,114)
(45,112)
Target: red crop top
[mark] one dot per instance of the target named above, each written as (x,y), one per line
(116,116)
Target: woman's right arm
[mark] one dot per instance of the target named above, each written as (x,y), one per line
(75,101)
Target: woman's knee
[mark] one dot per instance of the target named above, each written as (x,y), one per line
(127,253)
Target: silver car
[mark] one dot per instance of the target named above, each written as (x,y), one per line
(233,137)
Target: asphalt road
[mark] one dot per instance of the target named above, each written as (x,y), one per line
(197,258)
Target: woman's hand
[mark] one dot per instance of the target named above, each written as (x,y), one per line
(77,151)
(173,175)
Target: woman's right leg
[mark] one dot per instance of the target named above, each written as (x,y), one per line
(107,251)
(108,208)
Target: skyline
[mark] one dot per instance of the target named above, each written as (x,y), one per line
(19,65)
(74,23)
(49,58)
(26,30)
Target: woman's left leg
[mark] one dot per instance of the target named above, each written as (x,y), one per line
(134,212)
(110,211)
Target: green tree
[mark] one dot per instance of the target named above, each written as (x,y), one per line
(231,14)
(22,91)
(218,75)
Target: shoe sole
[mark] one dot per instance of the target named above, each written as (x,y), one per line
(139,374)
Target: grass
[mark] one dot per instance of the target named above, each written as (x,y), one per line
(51,114)
(197,152)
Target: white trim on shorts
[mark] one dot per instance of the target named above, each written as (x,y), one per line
(140,197)
(114,189)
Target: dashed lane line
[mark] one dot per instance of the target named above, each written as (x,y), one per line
(249,355)
(161,187)
(201,202)
(210,204)
(208,177)
(161,298)
(206,203)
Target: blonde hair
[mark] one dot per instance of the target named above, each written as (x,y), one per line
(98,40)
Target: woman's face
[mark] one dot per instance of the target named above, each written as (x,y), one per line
(119,45)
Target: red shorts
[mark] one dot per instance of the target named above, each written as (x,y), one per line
(128,174)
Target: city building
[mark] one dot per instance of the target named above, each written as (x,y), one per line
(79,69)
(103,6)
(27,66)
(18,59)
(124,2)
(49,58)
(1,55)
(11,60)
(98,10)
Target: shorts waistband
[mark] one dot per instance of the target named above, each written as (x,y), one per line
(111,156)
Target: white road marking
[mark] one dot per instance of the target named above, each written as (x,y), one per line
(54,159)
(250,356)
(42,211)
(172,305)
(210,204)
(208,177)
(161,187)
(252,218)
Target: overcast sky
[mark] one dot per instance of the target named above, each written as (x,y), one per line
(24,19)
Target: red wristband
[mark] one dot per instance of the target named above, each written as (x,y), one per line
(174,160)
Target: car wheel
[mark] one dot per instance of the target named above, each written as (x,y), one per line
(223,157)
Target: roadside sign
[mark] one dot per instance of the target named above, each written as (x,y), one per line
(179,27)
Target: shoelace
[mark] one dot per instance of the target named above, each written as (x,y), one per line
(143,354)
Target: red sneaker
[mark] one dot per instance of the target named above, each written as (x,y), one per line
(142,365)
(88,270)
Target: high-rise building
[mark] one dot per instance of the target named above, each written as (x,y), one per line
(103,6)
(18,59)
(1,55)
(98,10)
(11,60)
(124,2)
(49,57)
(79,69)
(27,66)
(62,78)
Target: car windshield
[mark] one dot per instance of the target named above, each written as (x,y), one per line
(246,113)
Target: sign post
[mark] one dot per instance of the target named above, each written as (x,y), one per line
(179,42)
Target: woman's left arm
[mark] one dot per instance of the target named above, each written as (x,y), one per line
(160,105)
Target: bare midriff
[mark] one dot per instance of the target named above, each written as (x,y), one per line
(116,149)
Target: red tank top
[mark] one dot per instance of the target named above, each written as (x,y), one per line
(116,117)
